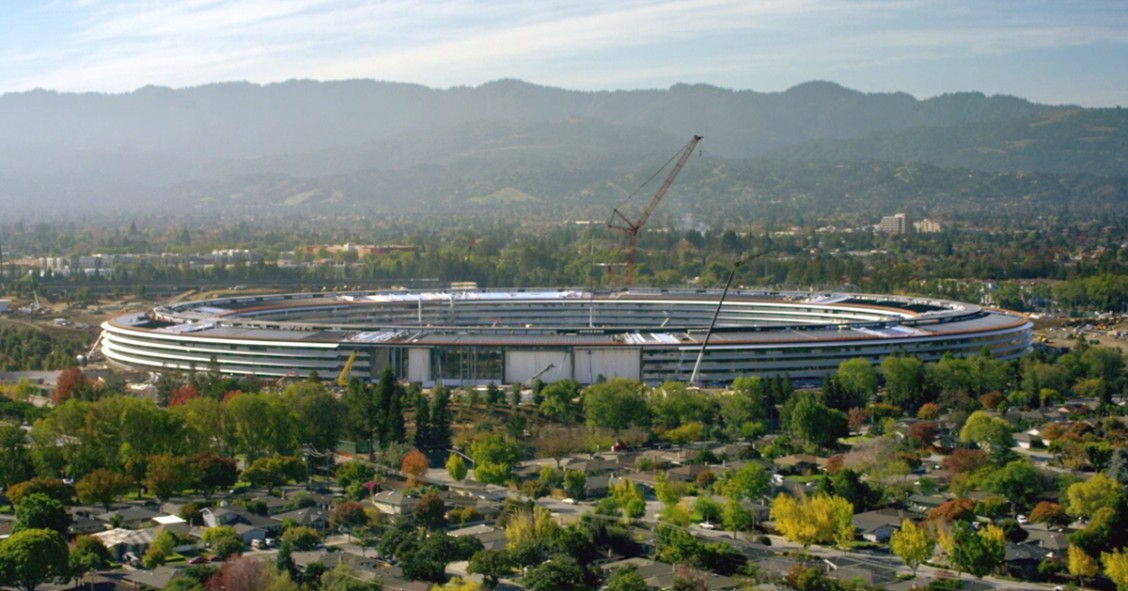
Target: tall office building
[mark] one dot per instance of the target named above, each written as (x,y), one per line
(894,224)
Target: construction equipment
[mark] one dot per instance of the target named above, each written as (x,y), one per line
(343,379)
(620,221)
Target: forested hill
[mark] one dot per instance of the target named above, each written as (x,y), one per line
(369,144)
(241,120)
(1090,141)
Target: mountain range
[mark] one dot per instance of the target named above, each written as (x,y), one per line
(366,145)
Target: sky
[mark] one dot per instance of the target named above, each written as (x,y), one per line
(1055,51)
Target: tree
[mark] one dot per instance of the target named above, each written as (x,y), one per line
(214,472)
(1018,481)
(415,465)
(301,538)
(39,511)
(492,565)
(456,467)
(736,517)
(34,556)
(223,540)
(562,573)
(52,487)
(1086,498)
(527,527)
(575,483)
(87,554)
(817,423)
(858,380)
(159,550)
(977,552)
(15,462)
(904,380)
(616,404)
(912,544)
(494,457)
(274,471)
(819,519)
(354,472)
(69,382)
(1082,565)
(102,487)
(362,412)
(430,511)
(348,516)
(987,431)
(1050,514)
(1116,568)
(167,475)
(626,579)
(243,573)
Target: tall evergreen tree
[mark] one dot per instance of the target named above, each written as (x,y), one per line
(422,422)
(386,391)
(440,419)
(393,421)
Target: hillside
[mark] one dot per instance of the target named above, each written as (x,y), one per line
(381,146)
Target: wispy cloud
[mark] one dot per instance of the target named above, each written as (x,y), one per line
(588,44)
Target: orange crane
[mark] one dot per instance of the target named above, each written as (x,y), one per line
(620,221)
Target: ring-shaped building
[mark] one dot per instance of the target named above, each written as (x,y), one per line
(515,336)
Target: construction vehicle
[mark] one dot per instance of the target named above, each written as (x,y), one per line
(620,221)
(343,379)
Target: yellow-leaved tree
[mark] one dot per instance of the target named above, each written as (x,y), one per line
(528,527)
(1082,565)
(913,544)
(820,519)
(1116,568)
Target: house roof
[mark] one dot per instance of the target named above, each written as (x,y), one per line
(129,537)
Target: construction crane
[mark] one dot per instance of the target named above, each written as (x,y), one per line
(343,379)
(620,221)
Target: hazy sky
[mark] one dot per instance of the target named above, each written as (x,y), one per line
(1055,51)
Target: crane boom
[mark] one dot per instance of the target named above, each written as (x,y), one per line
(620,221)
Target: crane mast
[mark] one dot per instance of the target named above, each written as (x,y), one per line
(620,221)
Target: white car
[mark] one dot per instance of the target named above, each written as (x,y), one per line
(707,525)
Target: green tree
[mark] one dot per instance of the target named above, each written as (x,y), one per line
(812,421)
(626,579)
(301,538)
(616,404)
(904,381)
(274,471)
(977,552)
(87,554)
(858,380)
(32,557)
(354,472)
(223,540)
(39,511)
(494,456)
(562,573)
(1018,481)
(430,511)
(492,565)
(15,462)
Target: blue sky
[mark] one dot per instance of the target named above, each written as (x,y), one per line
(1059,51)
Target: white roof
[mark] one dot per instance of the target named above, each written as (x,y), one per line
(168,520)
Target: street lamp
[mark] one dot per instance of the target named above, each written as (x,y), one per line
(716,313)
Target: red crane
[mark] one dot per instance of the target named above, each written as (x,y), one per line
(620,221)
